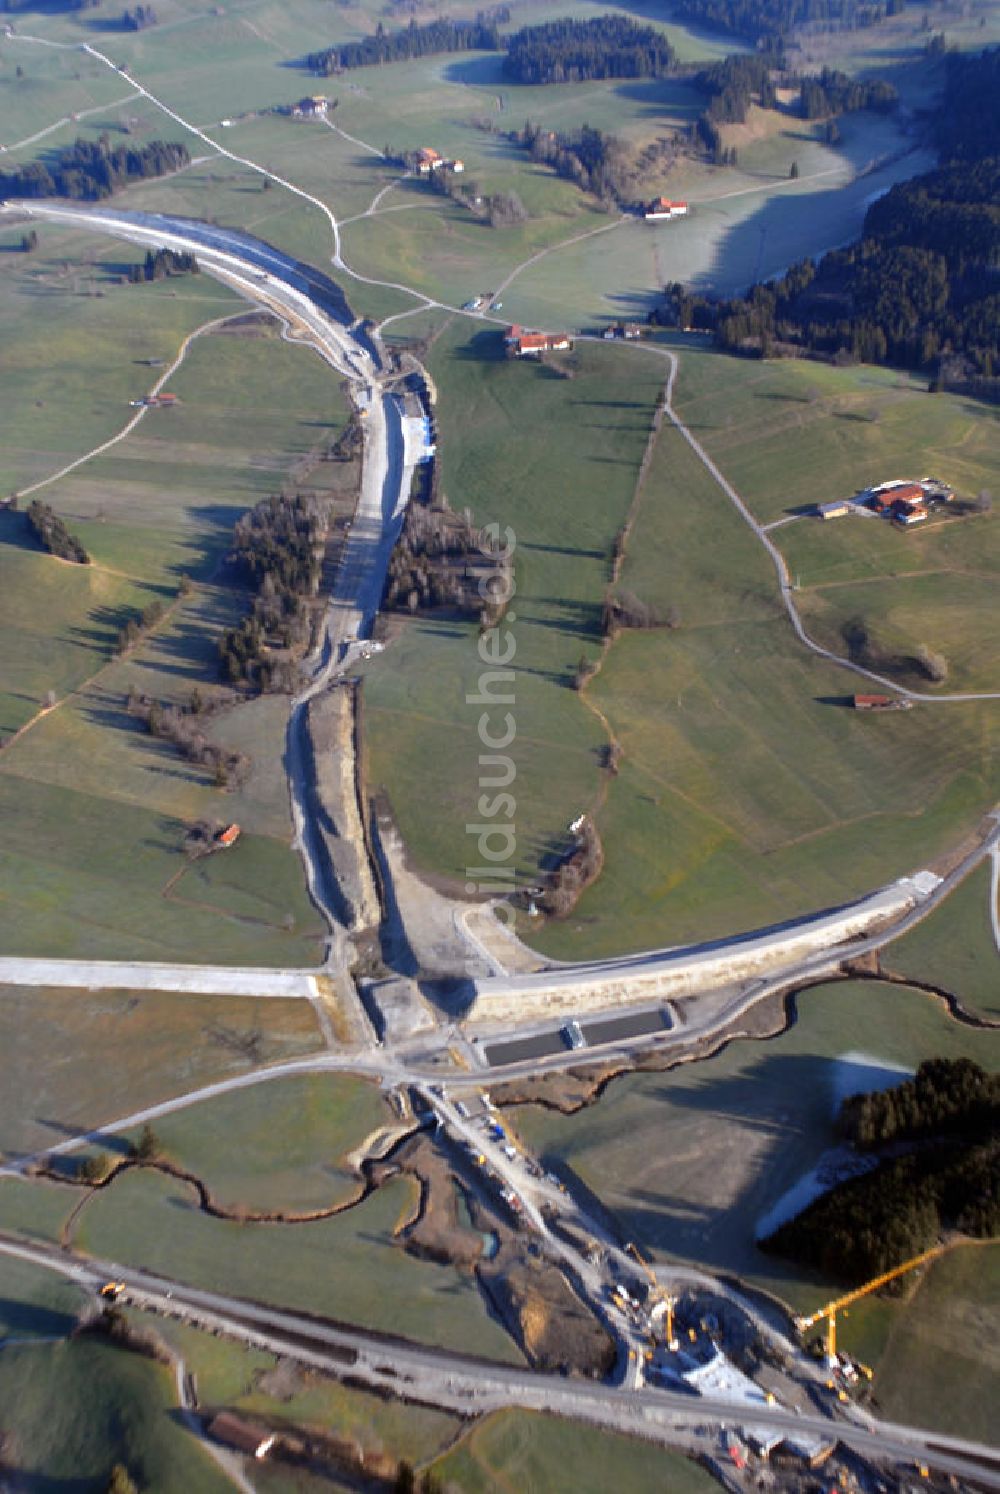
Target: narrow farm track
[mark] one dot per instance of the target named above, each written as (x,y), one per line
(58,125)
(136,419)
(785,584)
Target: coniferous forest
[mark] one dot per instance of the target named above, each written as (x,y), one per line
(919,288)
(409,42)
(944,1172)
(92,169)
(570,51)
(767,22)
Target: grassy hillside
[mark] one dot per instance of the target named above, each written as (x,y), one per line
(744,1126)
(122,1050)
(74,1408)
(96,810)
(747,792)
(346,1267)
(516,1449)
(556,460)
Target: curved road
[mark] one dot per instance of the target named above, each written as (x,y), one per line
(473,1386)
(312,302)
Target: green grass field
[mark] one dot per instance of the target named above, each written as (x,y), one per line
(516,1449)
(73,1408)
(954,947)
(280,1145)
(229,1374)
(346,1267)
(36,1304)
(556,460)
(118,1051)
(447,101)
(158,505)
(747,791)
(813,817)
(690,1160)
(952,1319)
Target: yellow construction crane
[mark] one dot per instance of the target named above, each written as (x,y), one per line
(831,1309)
(659,1297)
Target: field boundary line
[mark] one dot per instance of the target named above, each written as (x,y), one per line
(551,249)
(615,747)
(130,425)
(70,119)
(784,580)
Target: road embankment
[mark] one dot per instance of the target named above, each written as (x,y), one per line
(330,725)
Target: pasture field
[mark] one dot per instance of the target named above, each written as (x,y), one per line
(345,1267)
(75,340)
(744,1126)
(83,1059)
(519,1449)
(793,432)
(952,1318)
(556,460)
(748,221)
(34,1209)
(86,875)
(954,947)
(280,1145)
(53,86)
(157,506)
(74,1408)
(36,1304)
(747,792)
(250,1381)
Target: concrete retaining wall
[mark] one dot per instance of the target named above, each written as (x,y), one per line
(672,973)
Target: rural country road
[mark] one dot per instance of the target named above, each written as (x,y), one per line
(473,1386)
(314,304)
(418,1063)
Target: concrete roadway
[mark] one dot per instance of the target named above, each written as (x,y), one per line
(415,1063)
(310,301)
(473,1386)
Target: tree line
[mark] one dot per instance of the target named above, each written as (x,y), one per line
(949,1177)
(161,264)
(597,162)
(571,51)
(569,879)
(438,561)
(52,534)
(736,82)
(139,18)
(767,22)
(919,288)
(832,92)
(412,41)
(946,1097)
(277,549)
(90,170)
(183,727)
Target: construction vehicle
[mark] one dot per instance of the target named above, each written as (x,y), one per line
(662,1302)
(112,1290)
(830,1311)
